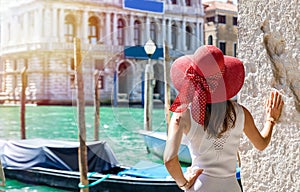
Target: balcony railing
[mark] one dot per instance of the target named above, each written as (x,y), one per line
(51,46)
(178,9)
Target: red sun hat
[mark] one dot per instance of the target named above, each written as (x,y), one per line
(207,76)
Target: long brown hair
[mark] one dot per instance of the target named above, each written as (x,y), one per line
(219,117)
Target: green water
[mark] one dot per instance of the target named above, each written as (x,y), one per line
(118,127)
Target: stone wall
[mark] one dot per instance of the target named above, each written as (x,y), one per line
(269,46)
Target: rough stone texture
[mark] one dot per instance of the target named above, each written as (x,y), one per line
(269,46)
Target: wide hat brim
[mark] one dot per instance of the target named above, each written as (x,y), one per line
(207,61)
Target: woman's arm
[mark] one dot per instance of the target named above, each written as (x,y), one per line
(179,124)
(273,111)
(175,132)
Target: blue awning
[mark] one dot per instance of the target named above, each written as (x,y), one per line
(144,5)
(138,52)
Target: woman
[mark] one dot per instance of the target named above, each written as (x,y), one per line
(211,123)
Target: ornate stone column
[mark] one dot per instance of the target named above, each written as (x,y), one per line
(24,29)
(131,30)
(108,28)
(85,26)
(197,36)
(38,14)
(13,30)
(147,30)
(163,31)
(47,24)
(61,25)
(169,33)
(183,37)
(115,29)
(3,33)
(54,24)
(177,36)
(201,31)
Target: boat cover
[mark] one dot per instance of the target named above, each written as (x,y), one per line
(63,155)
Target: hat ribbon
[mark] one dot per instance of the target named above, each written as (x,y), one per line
(196,89)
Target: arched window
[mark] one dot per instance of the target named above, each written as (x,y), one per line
(93,33)
(210,40)
(188,2)
(153,35)
(121,32)
(188,39)
(125,76)
(174,36)
(70,28)
(137,33)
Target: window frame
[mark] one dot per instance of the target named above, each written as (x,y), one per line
(235,49)
(234,21)
(210,40)
(69,28)
(121,32)
(153,29)
(93,29)
(137,36)
(221,43)
(210,19)
(222,19)
(72,75)
(99,65)
(188,3)
(188,37)
(174,34)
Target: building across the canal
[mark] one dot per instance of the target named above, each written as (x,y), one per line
(38,35)
(221,26)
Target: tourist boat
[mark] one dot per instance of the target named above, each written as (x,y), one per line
(156,141)
(55,164)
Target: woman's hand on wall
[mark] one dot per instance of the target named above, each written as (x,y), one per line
(274,106)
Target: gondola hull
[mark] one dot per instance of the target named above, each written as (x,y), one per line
(69,180)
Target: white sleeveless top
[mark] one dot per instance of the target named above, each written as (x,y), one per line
(217,156)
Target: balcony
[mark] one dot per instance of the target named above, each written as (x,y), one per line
(56,46)
(118,3)
(178,9)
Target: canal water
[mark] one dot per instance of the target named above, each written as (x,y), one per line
(119,127)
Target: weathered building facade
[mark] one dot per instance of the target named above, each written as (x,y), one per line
(221,26)
(269,39)
(38,35)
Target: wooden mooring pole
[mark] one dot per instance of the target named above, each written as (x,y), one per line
(167,83)
(82,151)
(148,96)
(97,105)
(2,175)
(23,100)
